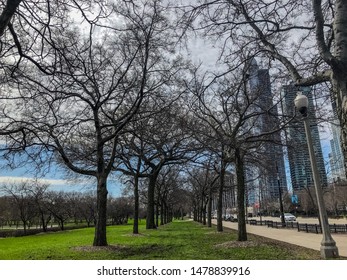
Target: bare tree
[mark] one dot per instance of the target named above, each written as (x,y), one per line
(157,139)
(23,200)
(308,39)
(100,80)
(202,179)
(170,194)
(120,209)
(87,208)
(8,211)
(37,191)
(232,118)
(59,206)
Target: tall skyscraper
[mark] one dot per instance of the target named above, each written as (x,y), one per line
(336,159)
(298,155)
(272,172)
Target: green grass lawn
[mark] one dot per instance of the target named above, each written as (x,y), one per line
(180,240)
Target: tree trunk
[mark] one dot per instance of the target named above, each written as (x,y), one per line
(199,214)
(162,214)
(195,214)
(150,220)
(43,221)
(25,227)
(209,208)
(202,209)
(341,108)
(341,46)
(166,213)
(61,223)
(101,209)
(339,68)
(157,212)
(220,196)
(157,207)
(136,205)
(240,175)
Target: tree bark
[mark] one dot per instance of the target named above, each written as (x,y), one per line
(162,214)
(209,208)
(195,214)
(201,209)
(240,175)
(101,206)
(340,92)
(136,205)
(339,78)
(157,211)
(150,220)
(166,213)
(220,196)
(43,220)
(204,214)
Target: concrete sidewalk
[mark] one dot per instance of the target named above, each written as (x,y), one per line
(308,240)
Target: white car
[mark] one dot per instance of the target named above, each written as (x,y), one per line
(289,217)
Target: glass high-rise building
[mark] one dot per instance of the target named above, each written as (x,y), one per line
(298,154)
(336,159)
(272,175)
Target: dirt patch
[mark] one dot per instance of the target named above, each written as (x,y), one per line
(135,235)
(237,244)
(217,232)
(100,248)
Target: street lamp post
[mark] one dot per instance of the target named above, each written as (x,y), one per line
(328,247)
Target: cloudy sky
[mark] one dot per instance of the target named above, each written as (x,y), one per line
(56,179)
(201,51)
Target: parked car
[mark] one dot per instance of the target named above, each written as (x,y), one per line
(288,217)
(226,217)
(233,218)
(230,218)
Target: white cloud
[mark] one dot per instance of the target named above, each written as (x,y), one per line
(55,182)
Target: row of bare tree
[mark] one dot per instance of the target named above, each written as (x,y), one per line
(335,198)
(100,86)
(76,74)
(31,204)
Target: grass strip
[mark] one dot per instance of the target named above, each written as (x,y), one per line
(179,240)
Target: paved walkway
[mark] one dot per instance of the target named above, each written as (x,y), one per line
(308,240)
